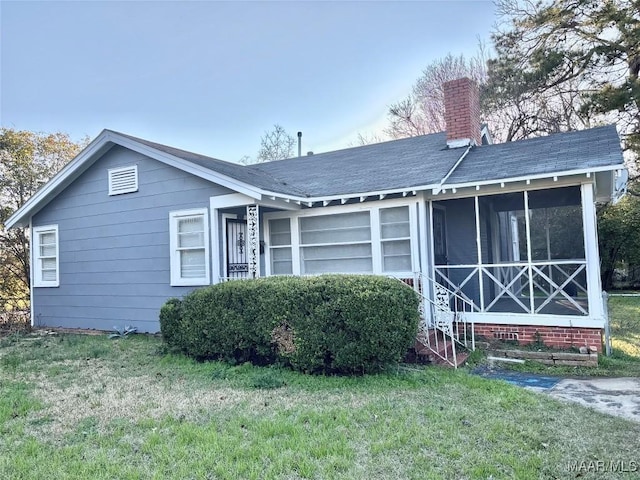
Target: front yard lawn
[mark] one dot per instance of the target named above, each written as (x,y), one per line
(74,406)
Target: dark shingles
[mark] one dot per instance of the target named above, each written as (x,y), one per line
(398,164)
(233,170)
(561,152)
(417,161)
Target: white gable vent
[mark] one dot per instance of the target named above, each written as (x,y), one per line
(123,180)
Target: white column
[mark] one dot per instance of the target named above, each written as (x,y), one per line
(591,253)
(527,222)
(253,241)
(479,252)
(215,245)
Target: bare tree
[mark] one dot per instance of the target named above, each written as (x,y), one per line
(276,145)
(422,111)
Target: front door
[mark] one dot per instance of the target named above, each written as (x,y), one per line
(237,258)
(439,236)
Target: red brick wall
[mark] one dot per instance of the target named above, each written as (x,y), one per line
(555,337)
(462,110)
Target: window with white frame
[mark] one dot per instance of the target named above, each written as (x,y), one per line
(395,239)
(280,246)
(189,243)
(364,240)
(45,256)
(336,243)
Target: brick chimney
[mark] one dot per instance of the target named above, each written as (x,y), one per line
(462,112)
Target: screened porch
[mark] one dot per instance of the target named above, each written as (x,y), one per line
(519,253)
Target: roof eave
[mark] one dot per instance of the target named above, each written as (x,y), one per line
(529,178)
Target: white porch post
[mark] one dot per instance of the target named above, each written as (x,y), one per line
(253,241)
(592,255)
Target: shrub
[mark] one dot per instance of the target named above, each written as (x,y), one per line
(324,324)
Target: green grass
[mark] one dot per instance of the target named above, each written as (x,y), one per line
(75,406)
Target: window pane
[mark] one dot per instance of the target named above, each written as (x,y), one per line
(48,238)
(187,240)
(346,227)
(192,264)
(396,214)
(394,222)
(47,250)
(396,256)
(281,261)
(191,224)
(337,259)
(48,275)
(280,232)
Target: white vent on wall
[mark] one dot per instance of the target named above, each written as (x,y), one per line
(123,180)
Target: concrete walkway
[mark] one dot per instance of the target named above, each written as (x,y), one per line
(615,396)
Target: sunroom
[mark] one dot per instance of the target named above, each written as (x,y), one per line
(521,257)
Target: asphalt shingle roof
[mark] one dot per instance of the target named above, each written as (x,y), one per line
(398,164)
(417,161)
(560,152)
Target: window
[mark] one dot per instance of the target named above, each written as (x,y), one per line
(395,237)
(123,180)
(280,246)
(189,243)
(377,240)
(336,243)
(45,256)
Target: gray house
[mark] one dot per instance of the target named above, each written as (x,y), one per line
(506,230)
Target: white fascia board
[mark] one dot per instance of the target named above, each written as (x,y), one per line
(375,193)
(67,174)
(540,176)
(105,140)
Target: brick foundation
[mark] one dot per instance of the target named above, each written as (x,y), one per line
(553,337)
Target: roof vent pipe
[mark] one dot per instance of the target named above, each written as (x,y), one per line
(299,144)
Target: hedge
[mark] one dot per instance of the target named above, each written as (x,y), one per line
(323,324)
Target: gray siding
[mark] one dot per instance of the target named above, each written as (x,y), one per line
(114,250)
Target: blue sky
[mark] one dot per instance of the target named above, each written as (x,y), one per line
(212,77)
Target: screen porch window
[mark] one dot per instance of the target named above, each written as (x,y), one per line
(395,238)
(46,263)
(190,248)
(280,246)
(338,243)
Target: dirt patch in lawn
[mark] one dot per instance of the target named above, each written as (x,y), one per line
(89,389)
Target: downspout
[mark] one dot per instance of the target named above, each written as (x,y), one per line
(450,172)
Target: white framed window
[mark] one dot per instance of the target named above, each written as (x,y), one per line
(336,243)
(395,239)
(46,270)
(189,244)
(123,180)
(280,246)
(376,237)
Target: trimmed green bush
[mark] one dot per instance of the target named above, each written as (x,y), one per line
(323,324)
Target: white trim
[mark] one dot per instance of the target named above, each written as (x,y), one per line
(176,279)
(455,165)
(529,178)
(223,219)
(581,321)
(591,253)
(214,244)
(35,245)
(373,206)
(131,170)
(476,203)
(31,275)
